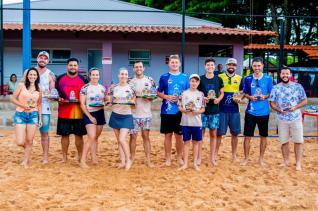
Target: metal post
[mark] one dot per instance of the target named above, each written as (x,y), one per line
(1,47)
(26,39)
(183,35)
(281,47)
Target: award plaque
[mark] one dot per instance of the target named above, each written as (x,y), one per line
(54,95)
(96,101)
(211,94)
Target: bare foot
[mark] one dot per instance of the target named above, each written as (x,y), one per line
(244,162)
(128,165)
(24,164)
(183,167)
(64,159)
(94,162)
(197,168)
(262,163)
(45,161)
(234,158)
(298,167)
(198,162)
(180,162)
(168,163)
(83,165)
(149,164)
(121,165)
(214,163)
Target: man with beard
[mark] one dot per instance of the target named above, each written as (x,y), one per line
(142,114)
(70,114)
(47,83)
(257,88)
(229,108)
(286,99)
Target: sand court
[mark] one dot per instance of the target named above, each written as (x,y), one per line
(65,186)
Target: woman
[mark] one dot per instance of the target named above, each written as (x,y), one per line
(27,98)
(92,97)
(121,119)
(12,84)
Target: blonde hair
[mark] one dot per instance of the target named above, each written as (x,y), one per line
(123,69)
(174,56)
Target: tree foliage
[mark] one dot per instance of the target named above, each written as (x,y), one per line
(298,30)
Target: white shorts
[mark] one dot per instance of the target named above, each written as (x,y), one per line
(290,130)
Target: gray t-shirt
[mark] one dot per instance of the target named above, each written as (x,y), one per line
(193,100)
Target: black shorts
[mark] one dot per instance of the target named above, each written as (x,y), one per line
(250,123)
(170,123)
(98,115)
(66,127)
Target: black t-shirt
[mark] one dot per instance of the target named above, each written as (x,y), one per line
(215,83)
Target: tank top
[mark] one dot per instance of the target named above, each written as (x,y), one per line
(45,87)
(27,97)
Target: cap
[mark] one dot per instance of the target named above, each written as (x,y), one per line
(44,53)
(195,76)
(231,61)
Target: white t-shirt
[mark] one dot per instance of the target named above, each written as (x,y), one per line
(193,100)
(143,106)
(122,94)
(95,95)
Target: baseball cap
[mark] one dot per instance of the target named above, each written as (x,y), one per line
(231,61)
(194,76)
(44,53)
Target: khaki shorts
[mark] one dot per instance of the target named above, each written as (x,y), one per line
(290,130)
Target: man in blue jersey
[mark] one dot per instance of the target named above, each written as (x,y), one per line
(171,85)
(257,89)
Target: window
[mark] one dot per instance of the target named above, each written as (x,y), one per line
(57,56)
(139,55)
(215,51)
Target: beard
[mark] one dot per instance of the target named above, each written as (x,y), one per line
(72,73)
(230,70)
(41,65)
(285,81)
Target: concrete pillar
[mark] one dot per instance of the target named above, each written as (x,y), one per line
(238,53)
(107,58)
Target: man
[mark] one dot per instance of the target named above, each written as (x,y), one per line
(229,108)
(286,99)
(219,70)
(257,88)
(47,83)
(171,85)
(70,114)
(212,87)
(142,114)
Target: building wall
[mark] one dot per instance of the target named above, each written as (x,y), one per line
(79,48)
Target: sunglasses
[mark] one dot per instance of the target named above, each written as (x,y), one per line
(257,83)
(230,80)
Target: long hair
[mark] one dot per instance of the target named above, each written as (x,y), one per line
(37,81)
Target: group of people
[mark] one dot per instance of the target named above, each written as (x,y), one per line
(191,105)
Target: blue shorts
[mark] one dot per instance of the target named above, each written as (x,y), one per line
(211,121)
(98,115)
(30,118)
(118,121)
(46,119)
(191,133)
(231,120)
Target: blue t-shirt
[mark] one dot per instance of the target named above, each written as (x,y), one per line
(256,87)
(286,97)
(171,84)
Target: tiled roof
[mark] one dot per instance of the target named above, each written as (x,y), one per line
(143,29)
(276,47)
(312,53)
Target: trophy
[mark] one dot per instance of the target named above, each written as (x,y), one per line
(149,93)
(258,93)
(96,101)
(211,94)
(31,103)
(54,95)
(72,98)
(128,100)
(190,106)
(46,93)
(176,93)
(236,96)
